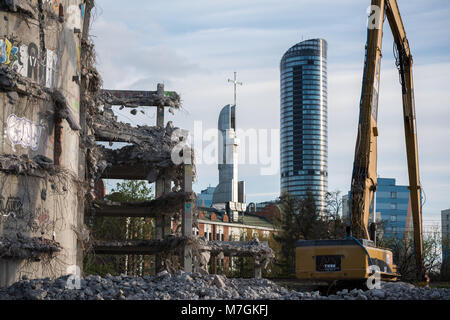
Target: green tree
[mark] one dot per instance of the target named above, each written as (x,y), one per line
(309,220)
(302,220)
(273,270)
(336,224)
(122,228)
(403,251)
(287,236)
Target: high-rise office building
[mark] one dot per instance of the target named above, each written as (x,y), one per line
(392,208)
(304,118)
(393,204)
(205,197)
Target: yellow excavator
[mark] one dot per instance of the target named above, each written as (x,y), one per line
(352,258)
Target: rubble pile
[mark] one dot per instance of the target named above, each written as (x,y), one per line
(393,291)
(195,286)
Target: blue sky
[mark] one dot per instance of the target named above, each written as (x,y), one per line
(194,47)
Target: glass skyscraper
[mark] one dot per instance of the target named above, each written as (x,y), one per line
(392,208)
(304,118)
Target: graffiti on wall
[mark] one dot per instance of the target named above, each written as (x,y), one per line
(14,56)
(41,221)
(50,67)
(82,10)
(74,14)
(33,54)
(54,4)
(13,216)
(9,54)
(26,60)
(12,207)
(5,51)
(24,132)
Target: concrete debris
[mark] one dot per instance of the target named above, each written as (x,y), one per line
(149,157)
(107,128)
(10,80)
(150,209)
(260,251)
(26,7)
(172,243)
(22,164)
(202,250)
(168,245)
(188,286)
(218,281)
(133,99)
(137,162)
(27,248)
(236,248)
(63,110)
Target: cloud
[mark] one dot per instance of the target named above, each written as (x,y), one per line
(126,58)
(194,48)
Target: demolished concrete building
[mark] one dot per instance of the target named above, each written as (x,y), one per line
(42,167)
(54,115)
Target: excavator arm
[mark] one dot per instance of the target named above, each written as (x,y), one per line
(364,176)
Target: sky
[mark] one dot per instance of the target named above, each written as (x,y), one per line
(194,47)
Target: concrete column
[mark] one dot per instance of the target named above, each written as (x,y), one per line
(166,223)
(213,264)
(187,218)
(257,270)
(159,184)
(41,55)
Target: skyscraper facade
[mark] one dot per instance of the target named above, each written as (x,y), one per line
(304,120)
(393,204)
(392,207)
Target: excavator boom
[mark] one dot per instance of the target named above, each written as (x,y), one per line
(355,257)
(364,176)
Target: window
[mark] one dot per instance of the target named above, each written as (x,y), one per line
(393,206)
(393,195)
(393,218)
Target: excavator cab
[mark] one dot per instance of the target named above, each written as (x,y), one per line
(348,259)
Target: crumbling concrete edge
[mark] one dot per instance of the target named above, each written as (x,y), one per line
(25,248)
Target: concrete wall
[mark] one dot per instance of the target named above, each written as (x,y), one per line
(43,47)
